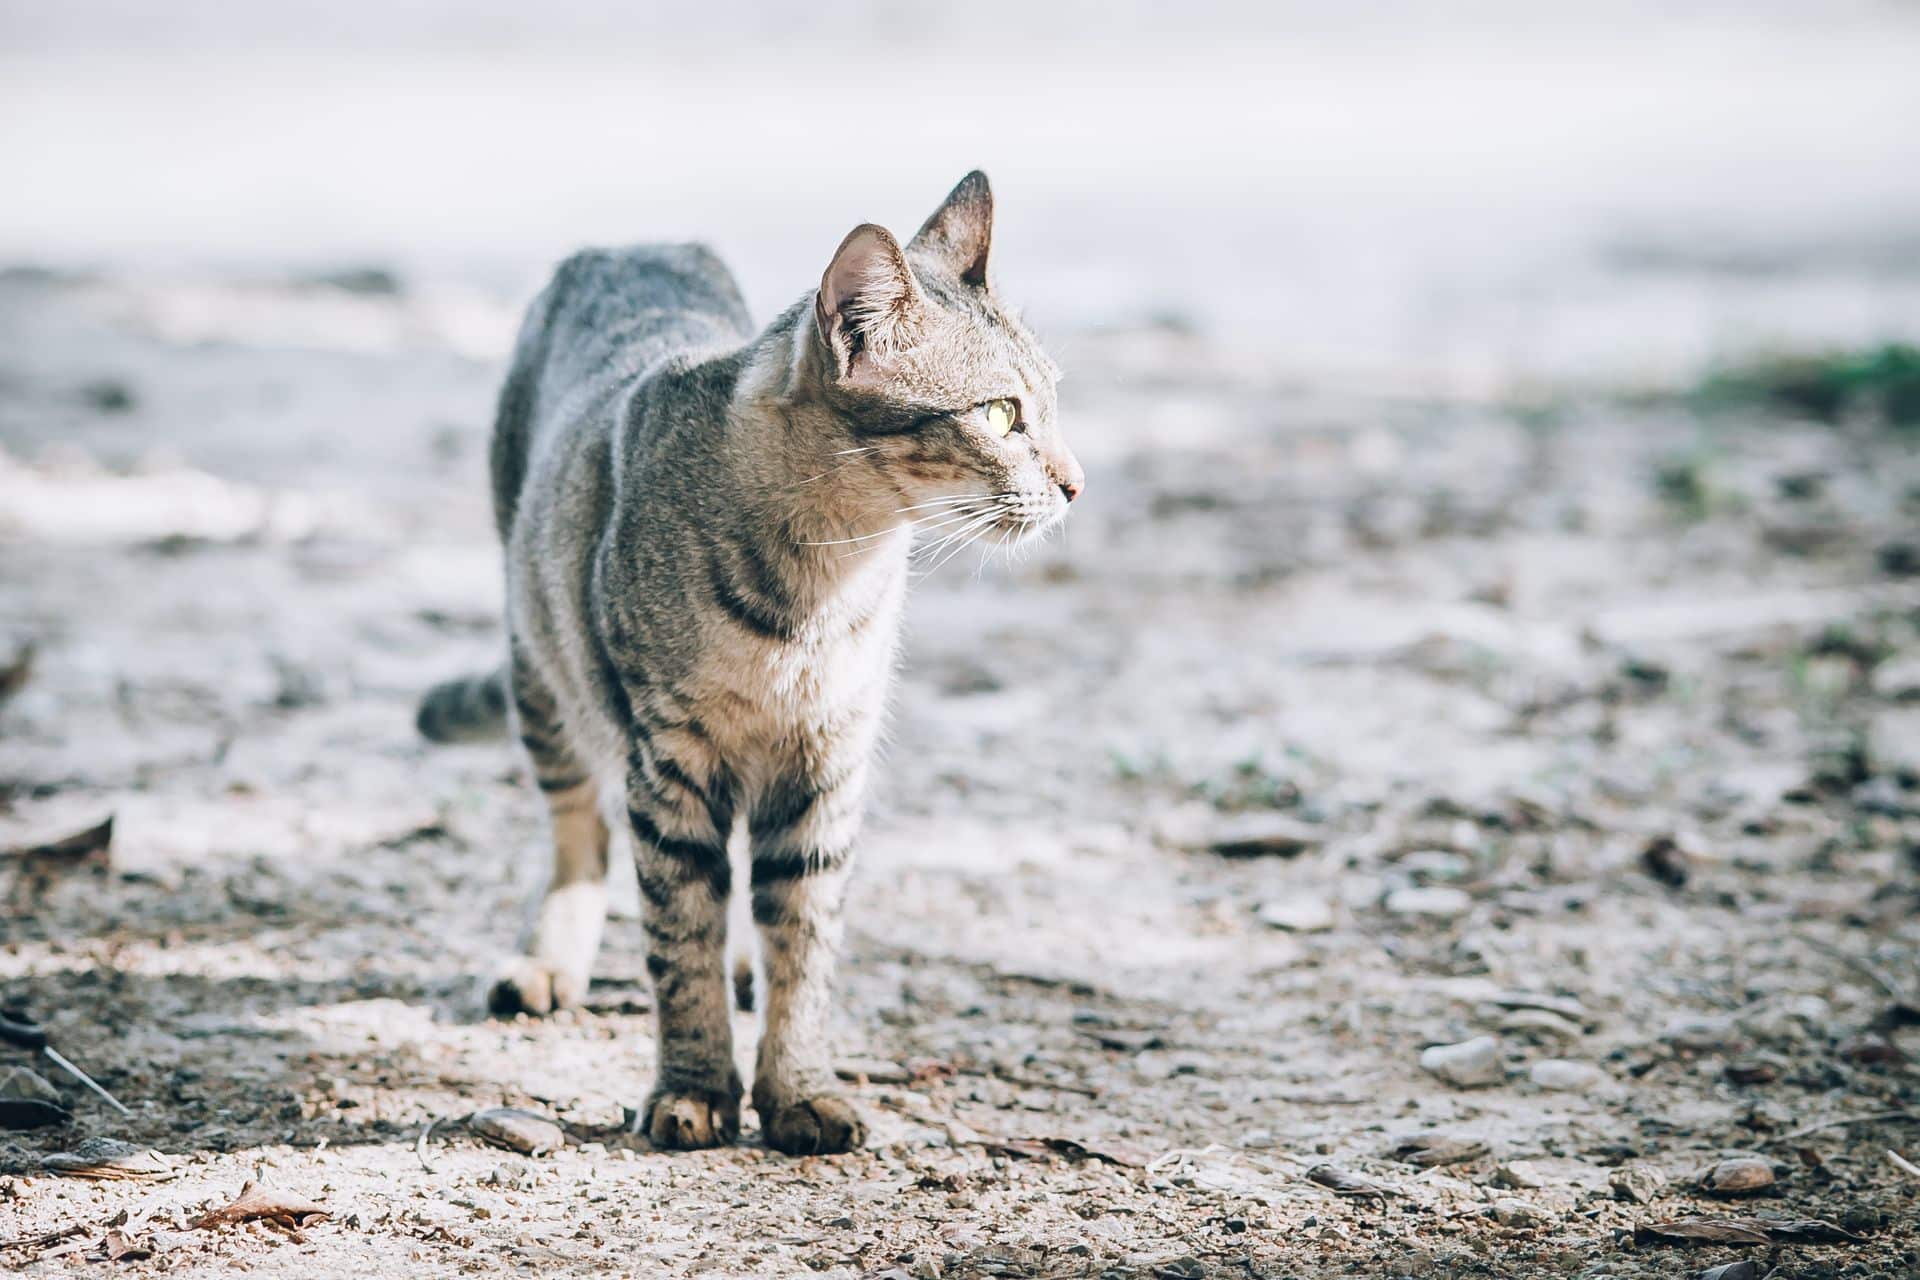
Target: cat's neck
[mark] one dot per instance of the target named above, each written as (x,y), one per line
(815,489)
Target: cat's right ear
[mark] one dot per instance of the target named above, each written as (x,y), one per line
(867,302)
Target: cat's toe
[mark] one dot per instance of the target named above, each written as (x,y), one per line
(819,1126)
(689,1121)
(529,986)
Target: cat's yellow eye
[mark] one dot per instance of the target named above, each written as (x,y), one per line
(1001,415)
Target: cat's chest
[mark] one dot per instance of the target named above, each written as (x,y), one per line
(834,667)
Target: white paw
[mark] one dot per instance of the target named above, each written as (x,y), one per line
(530,985)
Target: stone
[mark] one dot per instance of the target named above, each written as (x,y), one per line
(1431,902)
(1518,1213)
(517,1130)
(1898,678)
(1306,913)
(1738,1176)
(1471,1064)
(1893,742)
(1565,1075)
(1636,1183)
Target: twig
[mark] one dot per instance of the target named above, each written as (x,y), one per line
(1029,1082)
(1804,1130)
(34,1242)
(420,1147)
(1903,1164)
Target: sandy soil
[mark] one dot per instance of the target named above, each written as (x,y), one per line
(1588,726)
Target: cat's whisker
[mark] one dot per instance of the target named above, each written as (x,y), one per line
(940,551)
(922,525)
(962,539)
(941,502)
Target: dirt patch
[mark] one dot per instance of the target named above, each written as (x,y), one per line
(1573,807)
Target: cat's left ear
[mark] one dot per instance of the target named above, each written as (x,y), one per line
(961,230)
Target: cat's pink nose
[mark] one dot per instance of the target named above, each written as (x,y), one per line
(1071,488)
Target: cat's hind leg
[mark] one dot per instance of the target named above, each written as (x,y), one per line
(566,934)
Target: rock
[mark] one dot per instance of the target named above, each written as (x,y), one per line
(1893,742)
(1424,866)
(1537,1026)
(1471,1064)
(1519,1175)
(1666,861)
(29,1101)
(1636,1183)
(1702,1035)
(1518,1213)
(1898,679)
(1752,1071)
(1559,1172)
(517,1130)
(1560,1006)
(1869,1049)
(28,1086)
(1745,1269)
(1788,1021)
(1259,835)
(1307,913)
(1432,902)
(1565,1075)
(1739,1176)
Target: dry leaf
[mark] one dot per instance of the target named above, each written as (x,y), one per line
(254,1202)
(1703,1231)
(120,1247)
(73,848)
(1112,1151)
(1353,1185)
(1743,1231)
(1124,1039)
(1742,1270)
(1432,1150)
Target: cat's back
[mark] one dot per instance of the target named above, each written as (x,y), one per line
(608,319)
(612,315)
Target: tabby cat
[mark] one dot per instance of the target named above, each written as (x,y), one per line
(707,540)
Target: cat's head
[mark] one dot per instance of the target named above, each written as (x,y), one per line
(940,386)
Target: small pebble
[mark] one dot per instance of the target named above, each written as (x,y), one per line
(1565,1075)
(1739,1176)
(1304,914)
(1636,1183)
(1518,1213)
(1702,1035)
(1432,902)
(1471,1064)
(1519,1175)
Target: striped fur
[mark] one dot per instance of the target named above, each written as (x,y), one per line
(707,541)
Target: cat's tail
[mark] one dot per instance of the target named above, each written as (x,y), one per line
(466,710)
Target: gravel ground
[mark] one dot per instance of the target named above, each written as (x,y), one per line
(1385,836)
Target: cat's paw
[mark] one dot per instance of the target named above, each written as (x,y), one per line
(530,985)
(819,1126)
(688,1121)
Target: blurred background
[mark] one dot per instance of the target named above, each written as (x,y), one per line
(1466,741)
(1477,191)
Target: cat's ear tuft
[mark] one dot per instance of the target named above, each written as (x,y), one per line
(961,230)
(867,301)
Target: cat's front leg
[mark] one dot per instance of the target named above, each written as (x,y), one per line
(802,832)
(681,819)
